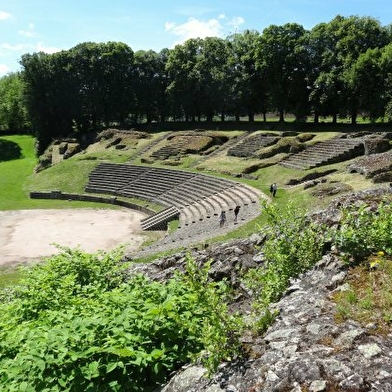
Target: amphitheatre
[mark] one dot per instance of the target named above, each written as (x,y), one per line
(193,195)
(160,194)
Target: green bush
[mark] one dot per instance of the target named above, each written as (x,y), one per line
(363,231)
(76,323)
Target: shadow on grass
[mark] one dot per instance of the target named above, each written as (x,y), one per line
(9,150)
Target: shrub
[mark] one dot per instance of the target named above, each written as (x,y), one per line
(363,231)
(76,324)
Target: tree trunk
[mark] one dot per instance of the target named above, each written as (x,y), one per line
(281,115)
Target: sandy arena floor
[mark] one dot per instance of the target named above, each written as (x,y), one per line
(29,235)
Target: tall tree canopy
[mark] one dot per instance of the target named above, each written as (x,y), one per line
(281,55)
(338,68)
(80,89)
(13,112)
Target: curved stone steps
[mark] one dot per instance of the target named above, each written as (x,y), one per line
(243,196)
(197,196)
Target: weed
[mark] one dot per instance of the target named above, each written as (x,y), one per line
(369,299)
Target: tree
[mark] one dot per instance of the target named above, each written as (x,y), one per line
(386,74)
(182,89)
(337,46)
(211,73)
(13,112)
(42,93)
(199,78)
(248,88)
(282,57)
(150,84)
(367,80)
(325,78)
(78,90)
(104,75)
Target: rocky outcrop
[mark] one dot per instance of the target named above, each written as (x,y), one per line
(372,165)
(305,349)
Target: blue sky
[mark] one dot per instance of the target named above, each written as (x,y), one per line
(28,26)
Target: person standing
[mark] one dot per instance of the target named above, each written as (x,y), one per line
(274,188)
(236,211)
(222,219)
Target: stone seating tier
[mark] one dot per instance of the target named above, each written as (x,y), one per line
(328,152)
(248,146)
(159,220)
(195,196)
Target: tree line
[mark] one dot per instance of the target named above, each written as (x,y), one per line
(338,68)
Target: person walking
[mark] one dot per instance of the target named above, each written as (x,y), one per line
(236,211)
(274,188)
(222,219)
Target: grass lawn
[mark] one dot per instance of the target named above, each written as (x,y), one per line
(17,179)
(14,173)
(8,277)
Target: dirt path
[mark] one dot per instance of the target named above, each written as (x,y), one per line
(29,235)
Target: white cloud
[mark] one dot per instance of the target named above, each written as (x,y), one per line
(3,69)
(46,49)
(13,48)
(195,28)
(4,15)
(169,26)
(236,22)
(5,48)
(28,33)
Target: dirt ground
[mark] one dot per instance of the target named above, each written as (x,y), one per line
(30,235)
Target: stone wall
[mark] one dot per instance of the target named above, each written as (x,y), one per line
(58,195)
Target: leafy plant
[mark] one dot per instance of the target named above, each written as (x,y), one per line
(77,323)
(363,231)
(219,330)
(293,244)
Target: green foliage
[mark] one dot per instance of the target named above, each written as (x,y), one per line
(14,172)
(293,245)
(8,276)
(363,231)
(75,323)
(219,331)
(13,112)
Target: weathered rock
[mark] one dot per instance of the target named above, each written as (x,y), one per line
(305,349)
